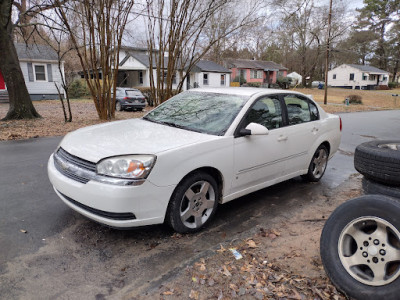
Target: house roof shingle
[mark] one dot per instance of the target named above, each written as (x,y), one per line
(210,66)
(35,52)
(369,69)
(255,64)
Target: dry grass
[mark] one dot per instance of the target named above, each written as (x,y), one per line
(84,112)
(372,100)
(52,121)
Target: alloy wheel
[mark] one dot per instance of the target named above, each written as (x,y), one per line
(197,204)
(369,250)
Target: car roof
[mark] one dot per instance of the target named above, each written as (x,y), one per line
(243,91)
(126,89)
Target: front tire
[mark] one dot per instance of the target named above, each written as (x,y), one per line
(317,165)
(360,247)
(193,203)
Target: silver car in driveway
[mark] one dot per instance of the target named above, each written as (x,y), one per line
(129,98)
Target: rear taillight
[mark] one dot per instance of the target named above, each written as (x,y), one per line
(341,125)
(126,98)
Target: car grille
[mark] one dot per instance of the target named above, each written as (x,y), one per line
(105,214)
(73,167)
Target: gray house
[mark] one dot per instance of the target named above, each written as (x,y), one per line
(39,65)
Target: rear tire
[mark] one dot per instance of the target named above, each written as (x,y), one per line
(118,106)
(317,165)
(193,203)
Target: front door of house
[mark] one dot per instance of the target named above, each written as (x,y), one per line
(2,83)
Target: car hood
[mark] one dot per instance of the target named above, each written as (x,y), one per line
(135,136)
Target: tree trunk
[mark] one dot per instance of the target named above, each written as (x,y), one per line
(21,106)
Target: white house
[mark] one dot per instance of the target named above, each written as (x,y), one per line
(209,74)
(134,71)
(357,77)
(39,65)
(296,78)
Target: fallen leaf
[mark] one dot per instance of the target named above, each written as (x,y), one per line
(251,244)
(277,233)
(226,271)
(222,249)
(194,295)
(168,293)
(202,267)
(23,231)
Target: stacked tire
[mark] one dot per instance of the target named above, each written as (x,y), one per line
(379,162)
(360,242)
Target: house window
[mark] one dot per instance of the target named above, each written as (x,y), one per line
(364,77)
(255,74)
(223,79)
(141,77)
(351,76)
(334,76)
(371,77)
(165,78)
(280,74)
(205,79)
(384,78)
(40,73)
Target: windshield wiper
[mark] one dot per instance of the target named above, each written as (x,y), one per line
(173,125)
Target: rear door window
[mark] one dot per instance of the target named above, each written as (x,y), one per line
(300,109)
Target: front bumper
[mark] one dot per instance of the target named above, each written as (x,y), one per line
(113,205)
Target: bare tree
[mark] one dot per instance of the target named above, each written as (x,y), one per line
(21,106)
(176,29)
(97,41)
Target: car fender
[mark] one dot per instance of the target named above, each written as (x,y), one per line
(173,165)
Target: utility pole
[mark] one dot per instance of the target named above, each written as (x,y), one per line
(328,38)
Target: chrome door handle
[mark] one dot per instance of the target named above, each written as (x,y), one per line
(282,138)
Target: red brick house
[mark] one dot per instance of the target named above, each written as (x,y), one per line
(256,70)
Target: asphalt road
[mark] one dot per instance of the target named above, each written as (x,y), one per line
(61,241)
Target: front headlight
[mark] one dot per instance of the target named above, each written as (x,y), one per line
(128,167)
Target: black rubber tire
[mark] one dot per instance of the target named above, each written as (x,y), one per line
(118,106)
(379,164)
(310,176)
(372,187)
(383,207)
(173,218)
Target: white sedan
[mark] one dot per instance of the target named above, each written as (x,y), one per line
(201,148)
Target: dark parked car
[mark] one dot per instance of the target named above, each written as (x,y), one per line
(129,98)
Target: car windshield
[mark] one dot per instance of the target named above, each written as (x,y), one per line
(210,113)
(133,93)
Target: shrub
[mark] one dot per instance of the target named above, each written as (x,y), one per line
(254,84)
(383,87)
(240,79)
(284,82)
(78,89)
(354,99)
(393,85)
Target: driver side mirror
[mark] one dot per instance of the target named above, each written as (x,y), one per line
(254,129)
